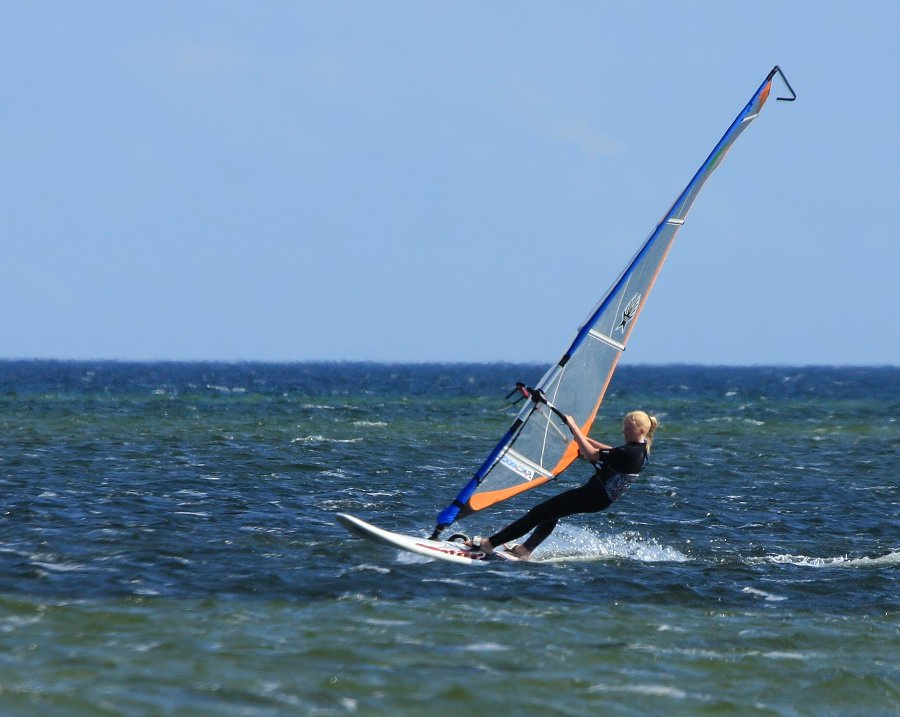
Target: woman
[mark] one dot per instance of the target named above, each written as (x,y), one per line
(616,468)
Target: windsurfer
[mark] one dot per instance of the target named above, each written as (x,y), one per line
(616,468)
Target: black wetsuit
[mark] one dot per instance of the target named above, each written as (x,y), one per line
(616,468)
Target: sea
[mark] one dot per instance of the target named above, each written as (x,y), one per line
(168,546)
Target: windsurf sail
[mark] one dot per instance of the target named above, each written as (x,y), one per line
(537,448)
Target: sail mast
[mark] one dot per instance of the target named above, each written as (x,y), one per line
(534,450)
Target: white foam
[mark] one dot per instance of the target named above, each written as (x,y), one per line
(769,597)
(484,647)
(782,655)
(569,542)
(59,567)
(892,558)
(652,690)
(226,389)
(324,439)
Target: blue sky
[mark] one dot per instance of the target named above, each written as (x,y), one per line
(447,181)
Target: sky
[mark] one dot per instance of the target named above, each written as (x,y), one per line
(444,181)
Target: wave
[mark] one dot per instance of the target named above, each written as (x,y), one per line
(769,597)
(226,389)
(324,439)
(890,559)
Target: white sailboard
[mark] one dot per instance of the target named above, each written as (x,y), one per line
(536,449)
(449,550)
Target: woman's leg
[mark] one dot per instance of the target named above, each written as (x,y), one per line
(586,499)
(538,536)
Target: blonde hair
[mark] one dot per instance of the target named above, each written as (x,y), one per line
(645,421)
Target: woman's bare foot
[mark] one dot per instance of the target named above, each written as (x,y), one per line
(520,551)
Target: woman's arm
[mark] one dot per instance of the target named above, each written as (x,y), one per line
(588,447)
(596,444)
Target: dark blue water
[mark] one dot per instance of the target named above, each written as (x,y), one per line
(168,546)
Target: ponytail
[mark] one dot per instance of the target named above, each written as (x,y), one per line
(648,437)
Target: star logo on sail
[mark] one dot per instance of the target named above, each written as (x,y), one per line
(630,312)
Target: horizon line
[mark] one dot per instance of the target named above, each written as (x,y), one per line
(419,363)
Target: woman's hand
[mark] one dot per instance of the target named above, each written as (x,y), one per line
(588,448)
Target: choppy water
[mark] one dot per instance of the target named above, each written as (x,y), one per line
(167,546)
